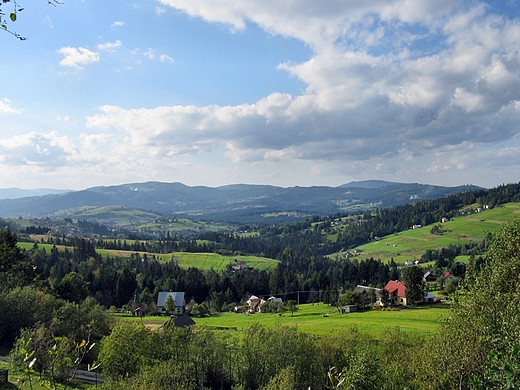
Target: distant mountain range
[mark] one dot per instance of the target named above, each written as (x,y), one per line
(233,203)
(15,193)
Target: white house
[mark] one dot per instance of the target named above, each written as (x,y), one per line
(178,299)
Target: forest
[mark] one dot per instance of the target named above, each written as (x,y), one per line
(67,296)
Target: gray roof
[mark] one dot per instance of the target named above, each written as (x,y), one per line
(183,321)
(178,298)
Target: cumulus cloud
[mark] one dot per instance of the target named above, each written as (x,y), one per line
(388,83)
(117,24)
(76,57)
(387,79)
(47,150)
(6,108)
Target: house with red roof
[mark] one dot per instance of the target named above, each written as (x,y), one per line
(397,291)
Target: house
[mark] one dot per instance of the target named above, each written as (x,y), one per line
(444,219)
(408,263)
(178,300)
(430,298)
(365,292)
(349,309)
(397,291)
(239,266)
(254,303)
(428,277)
(138,312)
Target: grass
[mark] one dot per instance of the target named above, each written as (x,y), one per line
(17,378)
(412,244)
(204,261)
(322,319)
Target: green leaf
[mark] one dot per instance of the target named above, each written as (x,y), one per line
(67,360)
(4,26)
(12,16)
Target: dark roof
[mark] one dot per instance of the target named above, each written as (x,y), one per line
(183,321)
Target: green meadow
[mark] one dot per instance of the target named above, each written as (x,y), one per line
(411,244)
(322,319)
(204,261)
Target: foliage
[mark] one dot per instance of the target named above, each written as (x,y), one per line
(126,350)
(413,280)
(486,309)
(57,359)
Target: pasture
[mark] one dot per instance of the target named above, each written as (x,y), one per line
(412,243)
(323,319)
(204,261)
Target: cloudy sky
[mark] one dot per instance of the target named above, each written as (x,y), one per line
(281,92)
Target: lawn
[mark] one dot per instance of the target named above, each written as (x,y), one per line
(322,319)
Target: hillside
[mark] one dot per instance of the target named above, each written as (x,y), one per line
(233,203)
(411,244)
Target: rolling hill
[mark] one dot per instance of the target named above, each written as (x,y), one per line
(238,203)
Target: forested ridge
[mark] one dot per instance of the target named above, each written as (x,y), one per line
(73,287)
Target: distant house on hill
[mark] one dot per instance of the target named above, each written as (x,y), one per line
(239,266)
(178,299)
(397,291)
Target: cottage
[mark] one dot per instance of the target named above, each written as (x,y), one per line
(178,299)
(397,291)
(349,309)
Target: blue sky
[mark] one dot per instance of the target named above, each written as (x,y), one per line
(279,92)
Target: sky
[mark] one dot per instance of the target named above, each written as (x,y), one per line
(279,92)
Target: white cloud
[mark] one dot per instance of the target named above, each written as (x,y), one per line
(166,58)
(46,150)
(117,24)
(76,57)
(109,46)
(6,108)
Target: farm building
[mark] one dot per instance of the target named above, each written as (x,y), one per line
(349,309)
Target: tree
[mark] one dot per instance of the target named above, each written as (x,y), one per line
(72,287)
(385,297)
(126,350)
(13,16)
(291,305)
(169,305)
(483,322)
(15,268)
(413,280)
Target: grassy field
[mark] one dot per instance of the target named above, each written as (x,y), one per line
(204,261)
(411,244)
(323,319)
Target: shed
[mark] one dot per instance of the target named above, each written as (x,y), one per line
(349,309)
